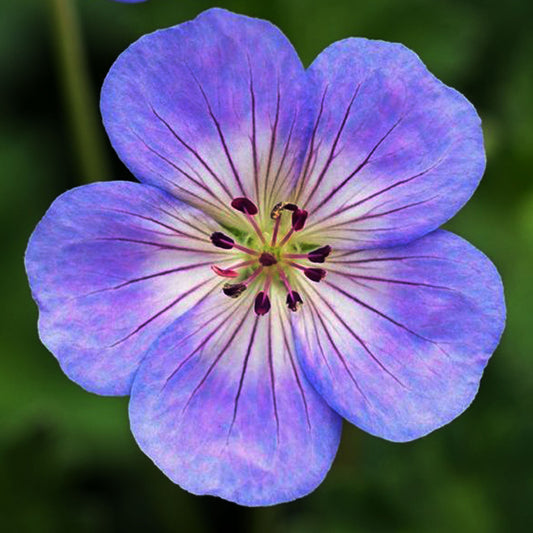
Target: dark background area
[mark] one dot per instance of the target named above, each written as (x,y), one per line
(68,462)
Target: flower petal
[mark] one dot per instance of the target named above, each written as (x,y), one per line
(110,265)
(396,339)
(211,110)
(220,404)
(396,153)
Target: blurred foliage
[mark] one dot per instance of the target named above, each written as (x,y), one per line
(67,460)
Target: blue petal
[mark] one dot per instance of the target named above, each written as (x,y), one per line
(212,109)
(396,339)
(221,405)
(396,152)
(110,266)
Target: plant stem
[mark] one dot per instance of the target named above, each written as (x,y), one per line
(79,100)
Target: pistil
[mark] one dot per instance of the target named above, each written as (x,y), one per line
(261,260)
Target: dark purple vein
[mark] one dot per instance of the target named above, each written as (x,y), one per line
(243,372)
(161,312)
(392,281)
(359,340)
(305,170)
(217,358)
(158,223)
(295,372)
(335,349)
(379,259)
(367,216)
(204,341)
(376,311)
(183,221)
(331,155)
(272,376)
(150,276)
(220,133)
(358,168)
(373,195)
(282,162)
(157,245)
(254,131)
(273,136)
(194,152)
(181,171)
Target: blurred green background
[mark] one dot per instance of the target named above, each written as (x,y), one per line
(68,462)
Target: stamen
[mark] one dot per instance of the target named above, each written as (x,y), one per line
(275,232)
(227,243)
(244,205)
(299,216)
(319,255)
(267,259)
(256,227)
(294,301)
(284,279)
(287,237)
(276,213)
(222,241)
(233,290)
(314,274)
(298,219)
(246,250)
(262,301)
(262,304)
(254,275)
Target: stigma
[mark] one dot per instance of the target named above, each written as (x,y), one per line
(270,257)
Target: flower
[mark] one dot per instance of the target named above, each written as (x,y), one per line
(279,266)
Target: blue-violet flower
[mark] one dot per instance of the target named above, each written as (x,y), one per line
(279,266)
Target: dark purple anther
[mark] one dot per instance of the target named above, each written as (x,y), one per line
(233,290)
(294,301)
(319,255)
(262,304)
(244,205)
(267,259)
(298,219)
(315,274)
(222,241)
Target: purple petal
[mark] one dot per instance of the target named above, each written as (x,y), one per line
(211,110)
(110,266)
(396,340)
(221,405)
(396,152)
